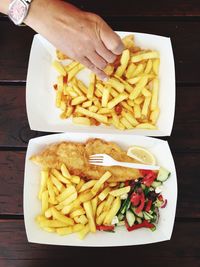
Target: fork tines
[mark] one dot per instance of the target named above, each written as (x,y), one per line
(98,158)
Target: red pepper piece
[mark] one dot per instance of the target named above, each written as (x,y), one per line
(164,204)
(148,224)
(105,227)
(160,198)
(145,172)
(145,224)
(148,206)
(65,79)
(135,199)
(127,183)
(141,206)
(118,109)
(149,178)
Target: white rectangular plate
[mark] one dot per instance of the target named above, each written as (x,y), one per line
(32,206)
(40,96)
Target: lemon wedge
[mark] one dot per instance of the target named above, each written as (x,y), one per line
(141,154)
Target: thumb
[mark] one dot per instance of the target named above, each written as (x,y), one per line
(111,40)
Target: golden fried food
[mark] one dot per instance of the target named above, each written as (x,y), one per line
(76,158)
(127,100)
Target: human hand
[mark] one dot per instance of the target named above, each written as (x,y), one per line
(83,36)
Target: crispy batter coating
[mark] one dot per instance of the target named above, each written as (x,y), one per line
(76,156)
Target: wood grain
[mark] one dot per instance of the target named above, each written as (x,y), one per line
(178,19)
(15,131)
(14,128)
(141,8)
(185,40)
(15,47)
(181,251)
(11,177)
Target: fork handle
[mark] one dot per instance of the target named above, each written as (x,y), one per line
(137,166)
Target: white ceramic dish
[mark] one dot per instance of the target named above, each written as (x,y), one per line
(32,205)
(40,96)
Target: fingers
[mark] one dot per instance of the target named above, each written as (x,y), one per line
(105,53)
(97,60)
(87,63)
(111,40)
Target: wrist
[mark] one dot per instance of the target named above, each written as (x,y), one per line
(4,6)
(44,14)
(36,12)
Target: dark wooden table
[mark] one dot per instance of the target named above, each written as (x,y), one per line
(178,19)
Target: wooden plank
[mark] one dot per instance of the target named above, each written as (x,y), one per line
(15,131)
(181,251)
(141,8)
(174,8)
(15,47)
(14,55)
(11,177)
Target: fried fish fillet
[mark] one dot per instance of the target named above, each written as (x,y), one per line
(76,157)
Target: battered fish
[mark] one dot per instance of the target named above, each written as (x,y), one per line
(76,158)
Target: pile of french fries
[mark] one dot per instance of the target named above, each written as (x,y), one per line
(70,204)
(128,100)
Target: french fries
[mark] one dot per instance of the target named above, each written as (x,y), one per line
(105,96)
(76,207)
(66,193)
(98,117)
(58,216)
(124,62)
(45,201)
(104,193)
(120,192)
(87,185)
(89,212)
(133,86)
(81,121)
(113,211)
(44,177)
(100,182)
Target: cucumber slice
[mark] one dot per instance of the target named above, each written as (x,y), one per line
(137,214)
(130,218)
(146,190)
(143,186)
(122,184)
(138,219)
(156,184)
(153,229)
(158,203)
(147,216)
(125,206)
(120,217)
(155,219)
(163,174)
(122,223)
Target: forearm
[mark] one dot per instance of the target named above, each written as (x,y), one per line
(4,6)
(83,36)
(41,12)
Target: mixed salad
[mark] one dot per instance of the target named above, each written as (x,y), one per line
(140,207)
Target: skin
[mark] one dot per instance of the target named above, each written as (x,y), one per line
(81,35)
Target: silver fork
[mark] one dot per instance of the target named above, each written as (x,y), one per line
(106,160)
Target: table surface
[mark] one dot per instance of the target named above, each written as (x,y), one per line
(177,19)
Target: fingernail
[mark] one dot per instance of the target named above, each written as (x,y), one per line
(120,49)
